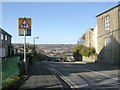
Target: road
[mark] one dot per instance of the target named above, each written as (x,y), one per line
(91,76)
(72,75)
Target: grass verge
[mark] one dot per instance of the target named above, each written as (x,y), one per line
(12,82)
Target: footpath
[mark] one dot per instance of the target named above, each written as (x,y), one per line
(40,77)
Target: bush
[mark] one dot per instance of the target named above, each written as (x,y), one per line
(77,48)
(9,82)
(87,51)
(84,51)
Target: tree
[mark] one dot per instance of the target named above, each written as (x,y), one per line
(81,40)
(77,56)
(76,52)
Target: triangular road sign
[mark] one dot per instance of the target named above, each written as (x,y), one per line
(24,24)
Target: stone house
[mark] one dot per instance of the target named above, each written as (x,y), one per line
(90,38)
(5,43)
(109,35)
(69,56)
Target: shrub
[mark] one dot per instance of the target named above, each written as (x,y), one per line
(87,51)
(10,81)
(77,48)
(84,51)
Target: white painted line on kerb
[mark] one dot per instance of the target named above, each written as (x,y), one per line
(101,74)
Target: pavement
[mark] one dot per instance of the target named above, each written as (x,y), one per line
(40,77)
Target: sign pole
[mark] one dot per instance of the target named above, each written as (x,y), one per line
(25,26)
(25,62)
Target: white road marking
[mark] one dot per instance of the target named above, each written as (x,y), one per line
(72,84)
(100,74)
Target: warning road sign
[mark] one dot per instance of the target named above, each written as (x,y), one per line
(24,23)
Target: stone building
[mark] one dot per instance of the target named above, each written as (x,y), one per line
(5,43)
(90,38)
(109,35)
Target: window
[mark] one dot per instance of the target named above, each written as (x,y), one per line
(2,37)
(5,37)
(107,22)
(108,43)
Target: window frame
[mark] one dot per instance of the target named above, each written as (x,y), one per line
(108,43)
(6,37)
(107,23)
(1,36)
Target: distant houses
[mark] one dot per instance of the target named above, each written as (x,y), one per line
(5,43)
(105,37)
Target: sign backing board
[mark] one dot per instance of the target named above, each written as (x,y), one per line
(27,32)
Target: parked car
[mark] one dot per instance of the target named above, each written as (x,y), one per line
(57,59)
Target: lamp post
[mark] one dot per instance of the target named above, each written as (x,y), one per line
(34,40)
(34,46)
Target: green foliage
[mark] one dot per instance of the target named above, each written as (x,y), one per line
(10,81)
(77,55)
(83,50)
(78,48)
(33,52)
(28,53)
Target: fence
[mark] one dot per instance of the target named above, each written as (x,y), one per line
(0,73)
(10,67)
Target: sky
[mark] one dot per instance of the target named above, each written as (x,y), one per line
(52,22)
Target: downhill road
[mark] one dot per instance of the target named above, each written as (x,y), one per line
(91,76)
(72,75)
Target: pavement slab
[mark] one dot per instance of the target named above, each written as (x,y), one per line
(40,77)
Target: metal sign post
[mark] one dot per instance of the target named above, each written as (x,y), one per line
(24,47)
(25,62)
(24,25)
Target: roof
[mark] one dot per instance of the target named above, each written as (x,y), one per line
(91,29)
(83,36)
(3,31)
(108,10)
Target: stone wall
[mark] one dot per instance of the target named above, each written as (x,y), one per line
(91,58)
